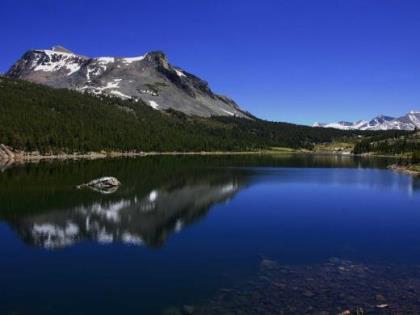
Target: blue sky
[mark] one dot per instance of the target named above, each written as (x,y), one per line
(298,61)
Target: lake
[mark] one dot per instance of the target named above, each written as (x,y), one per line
(296,234)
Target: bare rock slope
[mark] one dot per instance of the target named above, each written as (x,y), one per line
(150,78)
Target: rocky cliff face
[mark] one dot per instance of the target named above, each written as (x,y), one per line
(150,78)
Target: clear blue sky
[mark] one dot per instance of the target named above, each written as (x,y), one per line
(298,61)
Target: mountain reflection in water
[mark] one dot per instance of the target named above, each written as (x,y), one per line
(159,196)
(133,216)
(144,219)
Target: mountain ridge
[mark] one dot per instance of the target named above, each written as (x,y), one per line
(149,77)
(409,121)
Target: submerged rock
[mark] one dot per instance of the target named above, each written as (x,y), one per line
(105,185)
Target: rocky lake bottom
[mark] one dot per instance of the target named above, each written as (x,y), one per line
(336,287)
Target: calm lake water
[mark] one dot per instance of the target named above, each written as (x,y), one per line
(181,229)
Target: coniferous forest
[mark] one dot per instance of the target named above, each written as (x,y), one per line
(39,118)
(391,143)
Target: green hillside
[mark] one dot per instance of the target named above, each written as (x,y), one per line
(39,118)
(390,143)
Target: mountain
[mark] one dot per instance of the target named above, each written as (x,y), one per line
(409,121)
(150,78)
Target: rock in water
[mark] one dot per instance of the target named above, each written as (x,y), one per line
(104,182)
(106,185)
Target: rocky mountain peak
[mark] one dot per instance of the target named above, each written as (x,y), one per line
(150,78)
(380,119)
(157,56)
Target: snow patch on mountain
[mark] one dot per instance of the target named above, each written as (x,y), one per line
(154,104)
(180,73)
(227,112)
(105,59)
(121,95)
(133,59)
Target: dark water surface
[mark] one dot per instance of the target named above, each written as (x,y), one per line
(180,230)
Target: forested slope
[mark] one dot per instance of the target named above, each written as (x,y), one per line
(390,143)
(39,118)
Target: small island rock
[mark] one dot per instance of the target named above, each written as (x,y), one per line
(104,184)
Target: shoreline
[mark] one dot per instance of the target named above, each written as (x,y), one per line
(99,155)
(404,169)
(28,157)
(19,158)
(23,158)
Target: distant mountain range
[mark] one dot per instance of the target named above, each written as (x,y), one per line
(150,78)
(410,121)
